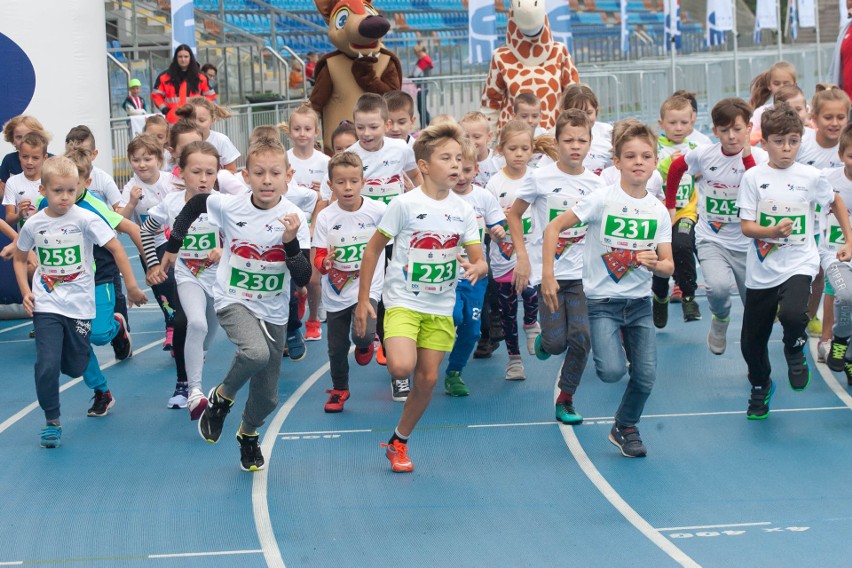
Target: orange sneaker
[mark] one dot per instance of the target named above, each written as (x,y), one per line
(303,299)
(313,330)
(380,355)
(397,453)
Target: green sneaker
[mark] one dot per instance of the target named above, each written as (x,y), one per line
(454,385)
(539,351)
(566,414)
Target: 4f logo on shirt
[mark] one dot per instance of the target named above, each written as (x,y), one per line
(556,190)
(336,228)
(422,216)
(713,168)
(241,223)
(764,186)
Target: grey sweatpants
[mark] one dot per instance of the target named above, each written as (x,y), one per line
(258,359)
(839,275)
(720,268)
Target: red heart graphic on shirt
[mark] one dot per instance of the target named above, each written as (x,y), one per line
(434,241)
(244,249)
(51,282)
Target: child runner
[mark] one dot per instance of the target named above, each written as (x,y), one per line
(401,116)
(22,190)
(776,203)
(764,86)
(548,192)
(488,163)
(694,135)
(205,114)
(720,244)
(198,260)
(340,237)
(13,132)
(516,145)
(580,96)
(103,186)
(470,297)
(157,126)
(675,121)
(428,226)
(343,137)
(62,300)
(262,235)
(527,107)
(795,97)
(627,240)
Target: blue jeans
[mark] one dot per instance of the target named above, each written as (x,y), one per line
(621,322)
(104,329)
(466,316)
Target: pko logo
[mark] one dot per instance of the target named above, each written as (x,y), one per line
(17,93)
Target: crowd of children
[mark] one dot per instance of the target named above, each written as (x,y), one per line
(412,246)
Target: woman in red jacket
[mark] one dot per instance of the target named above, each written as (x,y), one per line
(180,82)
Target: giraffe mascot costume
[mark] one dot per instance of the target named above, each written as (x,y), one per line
(531,61)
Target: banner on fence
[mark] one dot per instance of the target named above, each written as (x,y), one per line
(671,9)
(183,24)
(625,38)
(482,30)
(765,17)
(720,19)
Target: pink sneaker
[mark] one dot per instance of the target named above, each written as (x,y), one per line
(169,340)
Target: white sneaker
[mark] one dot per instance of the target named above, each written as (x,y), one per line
(823,349)
(321,313)
(196,403)
(532,332)
(717,341)
(515,369)
(178,399)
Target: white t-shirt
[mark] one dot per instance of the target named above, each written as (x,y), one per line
(151,195)
(307,172)
(812,154)
(600,152)
(549,191)
(192,264)
(488,167)
(832,237)
(656,185)
(302,197)
(427,234)
(501,254)
(630,224)
(718,188)
(231,184)
(487,210)
(18,189)
(64,282)
(348,232)
(228,153)
(252,271)
(103,187)
(700,138)
(384,169)
(768,195)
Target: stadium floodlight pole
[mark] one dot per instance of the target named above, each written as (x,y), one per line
(736,49)
(674,64)
(778,31)
(818,44)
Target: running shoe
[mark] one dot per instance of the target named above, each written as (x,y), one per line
(566,414)
(313,330)
(824,350)
(180,396)
(322,313)
(121,344)
(815,327)
(495,331)
(515,369)
(532,331)
(168,342)
(484,348)
(213,418)
(296,348)
(758,404)
(380,356)
(717,340)
(363,355)
(837,356)
(103,402)
(847,370)
(661,312)
(690,309)
(251,458)
(197,403)
(400,389)
(798,371)
(51,436)
(676,295)
(628,441)
(336,400)
(303,300)
(397,454)
(540,354)
(454,385)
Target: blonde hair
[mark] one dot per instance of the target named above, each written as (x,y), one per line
(474,116)
(631,129)
(269,133)
(675,102)
(57,167)
(826,93)
(215,110)
(787,92)
(266,146)
(82,158)
(468,151)
(544,144)
(434,135)
(13,123)
(442,119)
(305,109)
(344,159)
(205,148)
(146,143)
(760,84)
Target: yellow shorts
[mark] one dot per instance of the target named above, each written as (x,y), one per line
(427,330)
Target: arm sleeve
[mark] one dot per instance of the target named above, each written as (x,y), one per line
(319,258)
(748,161)
(676,171)
(190,212)
(297,263)
(147,232)
(158,95)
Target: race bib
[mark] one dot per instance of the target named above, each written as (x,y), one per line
(526,219)
(771,213)
(834,239)
(432,270)
(252,279)
(199,241)
(558,204)
(684,191)
(383,189)
(720,205)
(349,253)
(628,228)
(60,254)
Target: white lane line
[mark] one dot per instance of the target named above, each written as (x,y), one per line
(260,481)
(33,405)
(510,424)
(16,563)
(702,527)
(20,325)
(197,554)
(828,376)
(367,431)
(620,505)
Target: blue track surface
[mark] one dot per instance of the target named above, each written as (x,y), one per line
(497,481)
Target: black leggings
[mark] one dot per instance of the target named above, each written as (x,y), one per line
(508,299)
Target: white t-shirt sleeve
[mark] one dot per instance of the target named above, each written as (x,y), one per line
(589,208)
(231,184)
(304,232)
(228,151)
(216,210)
(494,214)
(110,190)
(9,194)
(528,190)
(823,192)
(159,213)
(125,193)
(471,229)
(664,223)
(320,237)
(325,191)
(408,161)
(98,231)
(26,240)
(392,220)
(748,197)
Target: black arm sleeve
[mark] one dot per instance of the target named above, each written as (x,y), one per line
(298,263)
(147,232)
(187,216)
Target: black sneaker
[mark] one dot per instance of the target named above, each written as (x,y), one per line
(103,402)
(758,404)
(251,458)
(836,359)
(797,369)
(400,388)
(628,440)
(847,370)
(213,418)
(690,309)
(484,349)
(121,345)
(661,312)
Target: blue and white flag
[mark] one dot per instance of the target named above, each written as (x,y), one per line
(625,38)
(482,30)
(792,20)
(671,9)
(720,19)
(183,24)
(765,17)
(559,16)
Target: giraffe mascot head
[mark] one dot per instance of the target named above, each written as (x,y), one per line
(531,61)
